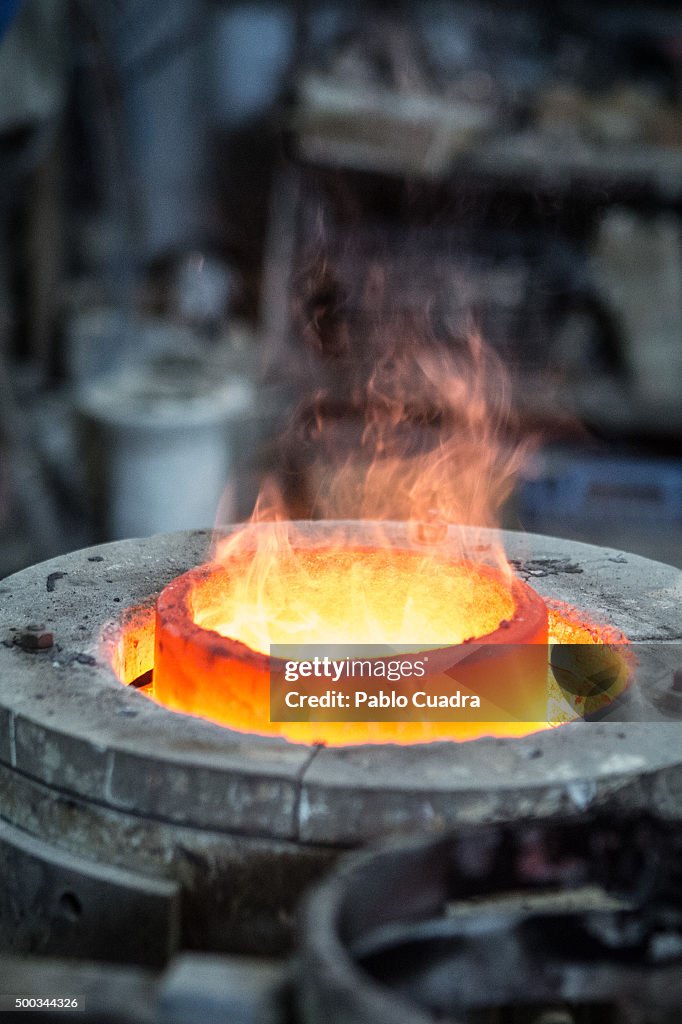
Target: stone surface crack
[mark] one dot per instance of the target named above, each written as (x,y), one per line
(537,567)
(299,788)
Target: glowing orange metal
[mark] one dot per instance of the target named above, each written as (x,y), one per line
(385,596)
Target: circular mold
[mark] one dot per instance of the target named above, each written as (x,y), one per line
(202,672)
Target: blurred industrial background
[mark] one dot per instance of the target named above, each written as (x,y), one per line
(194,194)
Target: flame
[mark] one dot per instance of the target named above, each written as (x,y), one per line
(424,437)
(431,444)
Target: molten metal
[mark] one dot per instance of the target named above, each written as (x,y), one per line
(344,596)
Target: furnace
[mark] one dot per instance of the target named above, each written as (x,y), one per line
(116,809)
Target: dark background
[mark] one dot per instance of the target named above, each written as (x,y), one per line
(194,197)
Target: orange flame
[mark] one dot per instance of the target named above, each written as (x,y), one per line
(404,428)
(426,433)
(426,439)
